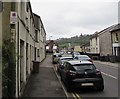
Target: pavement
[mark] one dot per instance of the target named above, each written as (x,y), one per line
(45,83)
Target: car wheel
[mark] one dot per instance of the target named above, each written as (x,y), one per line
(61,77)
(100,87)
(68,88)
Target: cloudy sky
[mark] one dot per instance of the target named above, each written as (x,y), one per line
(67,18)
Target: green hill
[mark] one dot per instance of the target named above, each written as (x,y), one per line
(76,40)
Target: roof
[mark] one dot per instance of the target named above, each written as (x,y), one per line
(86,44)
(94,35)
(104,30)
(51,42)
(107,29)
(117,27)
(74,62)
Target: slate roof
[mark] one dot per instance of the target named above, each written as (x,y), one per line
(117,27)
(110,29)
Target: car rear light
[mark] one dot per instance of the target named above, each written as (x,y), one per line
(98,72)
(71,73)
(90,60)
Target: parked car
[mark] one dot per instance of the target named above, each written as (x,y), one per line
(74,54)
(83,58)
(66,55)
(77,74)
(61,62)
(55,57)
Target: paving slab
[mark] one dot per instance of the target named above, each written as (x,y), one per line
(45,83)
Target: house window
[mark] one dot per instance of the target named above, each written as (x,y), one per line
(22,10)
(38,53)
(36,35)
(27,7)
(96,40)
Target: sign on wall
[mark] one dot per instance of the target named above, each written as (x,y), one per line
(13,17)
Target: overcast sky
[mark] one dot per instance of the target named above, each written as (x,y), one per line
(67,18)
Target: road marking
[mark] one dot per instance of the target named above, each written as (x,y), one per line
(74,96)
(77,96)
(109,75)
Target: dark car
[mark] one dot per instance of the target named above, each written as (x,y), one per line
(61,61)
(77,73)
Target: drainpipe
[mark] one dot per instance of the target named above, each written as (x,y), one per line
(18,44)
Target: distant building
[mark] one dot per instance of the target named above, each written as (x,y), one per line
(40,37)
(51,46)
(86,48)
(101,42)
(77,49)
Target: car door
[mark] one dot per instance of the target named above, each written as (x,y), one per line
(65,70)
(62,71)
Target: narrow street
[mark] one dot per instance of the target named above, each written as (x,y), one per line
(44,84)
(110,76)
(48,84)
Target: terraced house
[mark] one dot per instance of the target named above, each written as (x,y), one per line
(24,40)
(115,33)
(106,43)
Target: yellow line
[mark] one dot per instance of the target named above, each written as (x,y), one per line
(74,96)
(78,96)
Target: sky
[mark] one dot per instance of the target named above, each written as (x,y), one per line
(68,18)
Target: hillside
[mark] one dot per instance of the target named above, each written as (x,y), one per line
(76,40)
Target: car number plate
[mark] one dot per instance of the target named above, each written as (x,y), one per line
(87,84)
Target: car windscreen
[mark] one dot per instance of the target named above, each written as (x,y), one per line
(83,57)
(84,67)
(66,59)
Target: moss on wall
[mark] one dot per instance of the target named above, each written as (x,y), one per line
(8,55)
